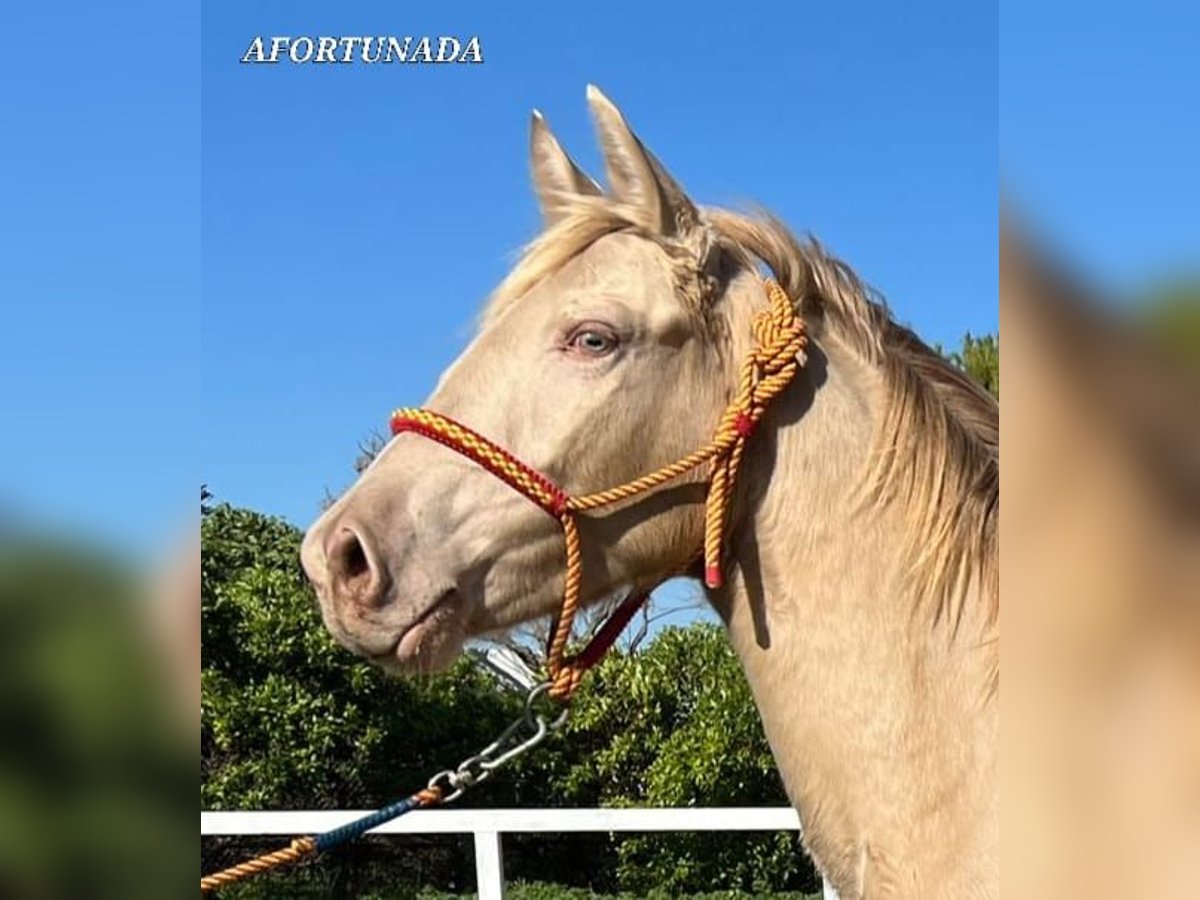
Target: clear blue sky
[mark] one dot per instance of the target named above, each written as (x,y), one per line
(99,270)
(1099,132)
(355,217)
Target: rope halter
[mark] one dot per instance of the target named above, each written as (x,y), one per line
(779,342)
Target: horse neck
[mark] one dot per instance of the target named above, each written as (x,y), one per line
(880,723)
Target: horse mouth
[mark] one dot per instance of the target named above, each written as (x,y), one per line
(432,642)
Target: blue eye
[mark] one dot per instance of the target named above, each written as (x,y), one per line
(593,340)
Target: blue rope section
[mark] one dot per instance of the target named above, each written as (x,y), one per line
(330,839)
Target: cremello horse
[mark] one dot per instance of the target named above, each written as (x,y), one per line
(862,552)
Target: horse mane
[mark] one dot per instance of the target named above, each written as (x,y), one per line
(936,452)
(937,448)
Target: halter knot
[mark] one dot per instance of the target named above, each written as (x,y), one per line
(780,340)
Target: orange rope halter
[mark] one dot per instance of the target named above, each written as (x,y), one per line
(779,340)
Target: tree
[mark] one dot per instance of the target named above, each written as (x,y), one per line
(979,357)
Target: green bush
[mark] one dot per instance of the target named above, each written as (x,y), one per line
(95,760)
(292,721)
(322,888)
(675,725)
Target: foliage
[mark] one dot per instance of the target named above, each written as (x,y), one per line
(675,725)
(979,357)
(290,720)
(94,767)
(319,888)
(539,891)
(287,715)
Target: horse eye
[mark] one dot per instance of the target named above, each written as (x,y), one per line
(593,341)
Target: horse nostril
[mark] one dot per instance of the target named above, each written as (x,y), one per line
(352,574)
(354,559)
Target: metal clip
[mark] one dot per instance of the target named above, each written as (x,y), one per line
(508,746)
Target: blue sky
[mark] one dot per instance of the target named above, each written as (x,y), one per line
(1099,135)
(355,217)
(99,271)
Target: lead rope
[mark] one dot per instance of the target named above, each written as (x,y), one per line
(522,735)
(304,847)
(779,342)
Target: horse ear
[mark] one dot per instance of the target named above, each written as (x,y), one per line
(635,177)
(556,178)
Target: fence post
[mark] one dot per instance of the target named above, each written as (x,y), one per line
(489,865)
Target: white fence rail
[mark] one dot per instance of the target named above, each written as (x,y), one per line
(489,825)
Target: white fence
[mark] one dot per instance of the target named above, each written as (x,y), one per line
(488,825)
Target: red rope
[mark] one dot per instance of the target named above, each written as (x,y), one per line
(609,632)
(489,455)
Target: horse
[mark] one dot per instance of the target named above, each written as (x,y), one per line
(861,549)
